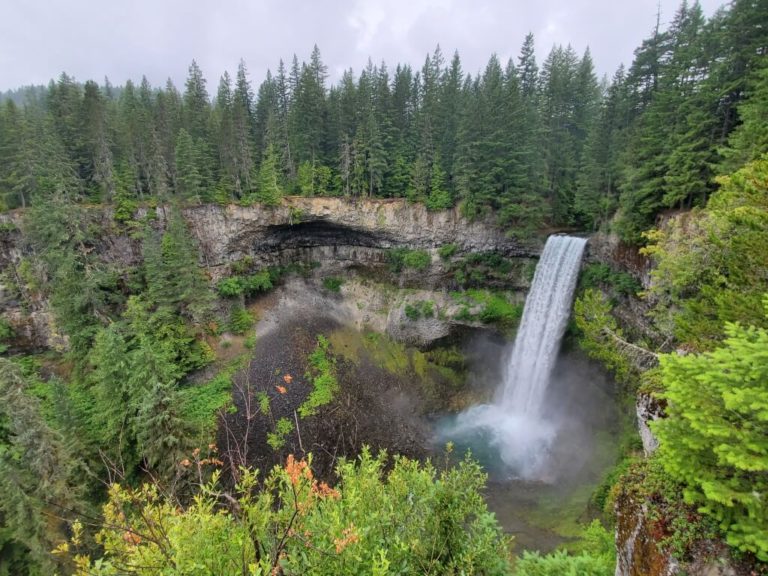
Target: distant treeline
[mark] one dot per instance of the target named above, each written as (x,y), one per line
(533,144)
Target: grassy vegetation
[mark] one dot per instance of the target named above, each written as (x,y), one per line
(276,439)
(487,307)
(420,309)
(480,268)
(406,258)
(333,284)
(603,276)
(438,375)
(446,251)
(322,375)
(200,404)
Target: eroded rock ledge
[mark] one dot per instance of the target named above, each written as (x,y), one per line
(340,230)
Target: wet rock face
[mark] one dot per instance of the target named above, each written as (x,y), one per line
(648,409)
(636,550)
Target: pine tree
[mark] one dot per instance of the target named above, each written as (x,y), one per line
(189,181)
(713,438)
(269,191)
(439,197)
(40,492)
(97,147)
(196,104)
(162,434)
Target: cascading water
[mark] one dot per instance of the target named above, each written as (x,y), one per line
(545,317)
(515,424)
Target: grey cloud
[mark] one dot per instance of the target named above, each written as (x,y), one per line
(90,40)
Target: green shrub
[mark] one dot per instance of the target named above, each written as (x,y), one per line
(382,517)
(6,330)
(231,287)
(599,275)
(400,258)
(333,284)
(276,439)
(446,251)
(236,286)
(200,404)
(322,375)
(422,308)
(240,320)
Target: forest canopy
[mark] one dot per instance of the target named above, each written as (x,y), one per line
(532,143)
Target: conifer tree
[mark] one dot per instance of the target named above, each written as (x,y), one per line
(269,191)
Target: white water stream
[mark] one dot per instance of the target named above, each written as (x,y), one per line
(516,424)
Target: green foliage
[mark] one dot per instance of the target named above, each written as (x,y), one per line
(6,334)
(420,309)
(676,526)
(406,258)
(276,439)
(599,334)
(38,474)
(481,269)
(491,308)
(446,251)
(710,264)
(333,284)
(715,437)
(236,286)
(231,287)
(240,320)
(322,375)
(200,404)
(269,192)
(420,521)
(597,557)
(602,275)
(562,564)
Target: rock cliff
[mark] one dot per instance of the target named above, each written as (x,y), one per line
(333,233)
(338,230)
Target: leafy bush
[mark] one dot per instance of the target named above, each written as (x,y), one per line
(322,374)
(446,251)
(495,308)
(422,308)
(409,520)
(230,287)
(400,258)
(710,265)
(480,268)
(276,439)
(236,286)
(598,557)
(597,275)
(201,404)
(240,320)
(333,284)
(6,330)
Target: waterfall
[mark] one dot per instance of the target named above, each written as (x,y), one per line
(516,424)
(545,318)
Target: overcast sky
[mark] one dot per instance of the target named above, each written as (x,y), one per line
(90,39)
